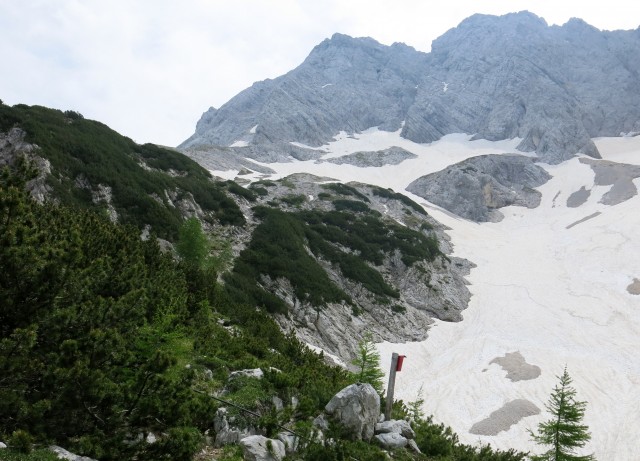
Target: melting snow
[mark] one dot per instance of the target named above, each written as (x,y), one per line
(326,85)
(559,297)
(239,144)
(253,130)
(555,293)
(445,87)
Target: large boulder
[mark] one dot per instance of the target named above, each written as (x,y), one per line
(391,440)
(248,373)
(356,408)
(395,434)
(401,427)
(260,448)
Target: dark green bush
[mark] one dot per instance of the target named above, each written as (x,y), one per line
(350,205)
(388,193)
(344,189)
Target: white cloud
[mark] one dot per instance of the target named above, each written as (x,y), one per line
(150,68)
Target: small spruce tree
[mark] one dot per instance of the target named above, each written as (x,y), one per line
(564,433)
(368,363)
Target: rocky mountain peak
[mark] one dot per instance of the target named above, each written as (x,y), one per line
(497,77)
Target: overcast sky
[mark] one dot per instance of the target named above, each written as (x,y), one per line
(149,68)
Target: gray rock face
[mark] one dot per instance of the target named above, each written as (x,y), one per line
(400,426)
(619,176)
(260,448)
(391,440)
(477,187)
(391,156)
(375,85)
(356,408)
(248,373)
(13,146)
(496,77)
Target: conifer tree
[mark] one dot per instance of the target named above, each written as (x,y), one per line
(368,363)
(564,433)
(193,245)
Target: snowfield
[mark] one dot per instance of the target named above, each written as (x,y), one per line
(552,288)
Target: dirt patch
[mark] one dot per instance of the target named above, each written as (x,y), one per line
(501,420)
(634,288)
(517,367)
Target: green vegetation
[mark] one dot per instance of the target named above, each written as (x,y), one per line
(237,189)
(564,432)
(350,205)
(278,250)
(98,328)
(140,176)
(388,193)
(293,199)
(192,244)
(367,363)
(343,189)
(103,337)
(9,454)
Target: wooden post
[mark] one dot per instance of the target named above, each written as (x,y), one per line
(390,387)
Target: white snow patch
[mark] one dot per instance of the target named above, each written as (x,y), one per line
(326,85)
(620,149)
(556,295)
(239,144)
(225,174)
(430,157)
(311,198)
(304,146)
(253,130)
(445,87)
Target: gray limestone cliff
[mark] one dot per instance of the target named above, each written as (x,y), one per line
(477,187)
(496,77)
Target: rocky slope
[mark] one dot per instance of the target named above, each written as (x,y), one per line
(332,261)
(477,187)
(422,287)
(495,77)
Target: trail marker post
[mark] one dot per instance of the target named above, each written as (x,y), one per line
(396,365)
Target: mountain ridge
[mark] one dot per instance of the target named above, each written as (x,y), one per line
(496,77)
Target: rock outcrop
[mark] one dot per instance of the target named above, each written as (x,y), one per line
(427,289)
(226,432)
(477,187)
(497,77)
(395,434)
(12,146)
(390,156)
(357,409)
(260,448)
